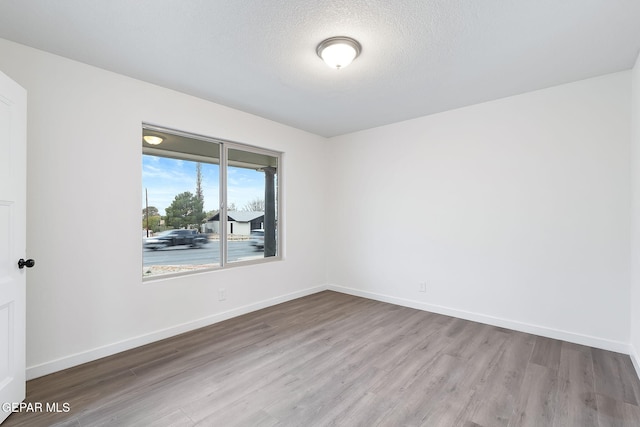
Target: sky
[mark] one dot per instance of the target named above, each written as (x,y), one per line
(164,178)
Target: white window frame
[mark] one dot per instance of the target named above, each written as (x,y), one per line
(224,145)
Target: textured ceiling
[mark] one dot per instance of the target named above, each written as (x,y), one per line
(419,57)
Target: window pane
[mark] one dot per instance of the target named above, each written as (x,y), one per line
(180,193)
(252,205)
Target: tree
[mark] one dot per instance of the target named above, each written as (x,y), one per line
(151,221)
(255,205)
(185,211)
(153,211)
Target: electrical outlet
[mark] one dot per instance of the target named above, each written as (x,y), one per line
(222,294)
(423,287)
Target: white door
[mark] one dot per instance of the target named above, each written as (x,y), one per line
(13,155)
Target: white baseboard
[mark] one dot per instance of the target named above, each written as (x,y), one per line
(110,349)
(602,343)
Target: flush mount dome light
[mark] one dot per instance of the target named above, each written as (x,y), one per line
(153,140)
(338,52)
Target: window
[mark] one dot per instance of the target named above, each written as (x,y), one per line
(206,203)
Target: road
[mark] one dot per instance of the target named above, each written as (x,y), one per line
(207,254)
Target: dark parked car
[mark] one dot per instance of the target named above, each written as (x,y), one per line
(175,238)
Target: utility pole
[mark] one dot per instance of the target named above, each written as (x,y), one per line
(146,196)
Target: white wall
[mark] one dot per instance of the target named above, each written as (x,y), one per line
(522,205)
(635,219)
(85,297)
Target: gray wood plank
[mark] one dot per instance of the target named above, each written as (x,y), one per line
(576,404)
(546,352)
(613,373)
(616,413)
(496,396)
(537,403)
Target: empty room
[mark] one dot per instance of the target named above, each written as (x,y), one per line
(315,213)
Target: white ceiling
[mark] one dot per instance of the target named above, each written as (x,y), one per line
(419,56)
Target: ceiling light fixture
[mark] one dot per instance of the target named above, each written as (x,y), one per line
(153,140)
(338,52)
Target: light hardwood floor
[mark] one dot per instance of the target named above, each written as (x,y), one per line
(334,359)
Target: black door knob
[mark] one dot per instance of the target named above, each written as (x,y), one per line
(28,263)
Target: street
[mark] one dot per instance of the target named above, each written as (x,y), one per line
(208,254)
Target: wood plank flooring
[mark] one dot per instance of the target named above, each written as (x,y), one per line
(331,359)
